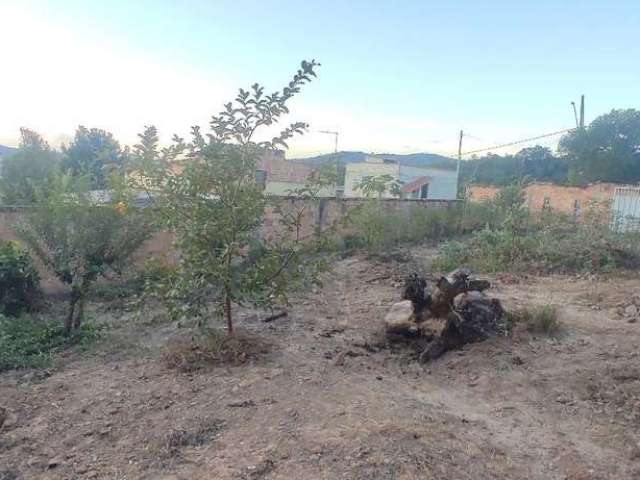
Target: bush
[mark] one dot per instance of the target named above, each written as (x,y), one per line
(18,280)
(27,341)
(131,284)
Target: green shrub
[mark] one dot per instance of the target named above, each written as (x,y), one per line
(131,283)
(27,341)
(19,279)
(548,243)
(377,226)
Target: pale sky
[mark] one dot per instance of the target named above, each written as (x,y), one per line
(396,76)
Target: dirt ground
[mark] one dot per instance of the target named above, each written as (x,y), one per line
(322,405)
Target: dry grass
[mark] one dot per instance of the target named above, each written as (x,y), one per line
(539,319)
(215,347)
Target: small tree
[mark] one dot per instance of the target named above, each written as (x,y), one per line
(80,236)
(207,194)
(378,185)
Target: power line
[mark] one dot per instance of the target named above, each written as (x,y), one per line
(518,142)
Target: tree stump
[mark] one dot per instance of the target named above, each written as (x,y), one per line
(459,301)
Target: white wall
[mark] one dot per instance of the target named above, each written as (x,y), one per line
(443,185)
(355,172)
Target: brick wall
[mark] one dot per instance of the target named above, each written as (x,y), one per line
(281,170)
(481,193)
(560,198)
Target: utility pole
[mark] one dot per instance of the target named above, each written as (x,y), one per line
(339,169)
(582,112)
(459,160)
(575,114)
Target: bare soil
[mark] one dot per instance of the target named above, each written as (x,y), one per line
(324,404)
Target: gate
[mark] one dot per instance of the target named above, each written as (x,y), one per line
(626,209)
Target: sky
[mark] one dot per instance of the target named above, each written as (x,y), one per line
(397,76)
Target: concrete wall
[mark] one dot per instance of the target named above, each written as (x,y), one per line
(355,172)
(442,186)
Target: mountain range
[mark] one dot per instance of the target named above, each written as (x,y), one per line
(412,159)
(4,150)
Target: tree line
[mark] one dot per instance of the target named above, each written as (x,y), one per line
(93,153)
(607,150)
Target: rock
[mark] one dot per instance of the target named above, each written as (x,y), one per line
(54,462)
(241,403)
(400,317)
(631,311)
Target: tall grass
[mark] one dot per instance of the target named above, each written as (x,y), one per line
(376,226)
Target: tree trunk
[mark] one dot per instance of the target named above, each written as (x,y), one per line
(80,313)
(69,323)
(227,314)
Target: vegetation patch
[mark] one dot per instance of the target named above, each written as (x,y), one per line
(516,240)
(19,279)
(539,319)
(31,342)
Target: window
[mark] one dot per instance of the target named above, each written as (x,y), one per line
(577,209)
(424,190)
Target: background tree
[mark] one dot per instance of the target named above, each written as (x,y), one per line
(80,236)
(216,208)
(607,150)
(539,163)
(30,169)
(94,153)
(533,163)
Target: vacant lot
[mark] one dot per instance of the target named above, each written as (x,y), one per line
(324,404)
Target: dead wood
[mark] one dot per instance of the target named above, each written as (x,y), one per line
(275,316)
(459,301)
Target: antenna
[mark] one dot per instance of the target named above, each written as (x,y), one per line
(335,134)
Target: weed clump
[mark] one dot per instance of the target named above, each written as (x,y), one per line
(214,347)
(207,431)
(539,320)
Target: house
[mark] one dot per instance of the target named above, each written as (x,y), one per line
(281,176)
(416,182)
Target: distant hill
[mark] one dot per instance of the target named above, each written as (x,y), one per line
(6,150)
(412,159)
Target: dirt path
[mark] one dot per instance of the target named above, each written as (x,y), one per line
(320,406)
